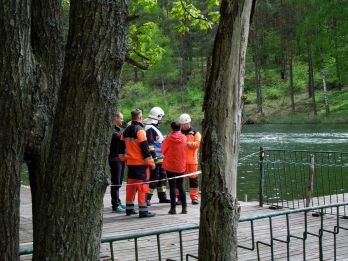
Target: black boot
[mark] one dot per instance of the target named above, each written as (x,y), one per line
(184,210)
(131,212)
(172,211)
(164,200)
(146,214)
(163,197)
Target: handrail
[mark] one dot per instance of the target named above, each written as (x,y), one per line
(156,232)
(149,233)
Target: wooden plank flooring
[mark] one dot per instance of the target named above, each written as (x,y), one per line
(117,224)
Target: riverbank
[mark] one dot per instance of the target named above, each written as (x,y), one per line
(276,106)
(277,110)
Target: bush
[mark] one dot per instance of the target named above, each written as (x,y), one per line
(273,93)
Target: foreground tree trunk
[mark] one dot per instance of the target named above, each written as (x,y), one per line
(47,41)
(72,199)
(222,122)
(15,78)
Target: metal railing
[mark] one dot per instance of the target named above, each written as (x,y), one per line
(292,178)
(290,230)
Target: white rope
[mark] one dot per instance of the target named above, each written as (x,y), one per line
(247,156)
(177,177)
(153,181)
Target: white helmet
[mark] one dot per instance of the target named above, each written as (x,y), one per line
(184,118)
(156,113)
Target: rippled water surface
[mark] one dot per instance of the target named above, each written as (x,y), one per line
(292,137)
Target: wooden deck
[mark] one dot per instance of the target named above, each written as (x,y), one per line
(124,250)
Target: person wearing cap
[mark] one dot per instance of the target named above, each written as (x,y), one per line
(174,149)
(135,151)
(116,165)
(192,146)
(155,139)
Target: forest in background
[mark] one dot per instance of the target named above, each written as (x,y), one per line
(296,69)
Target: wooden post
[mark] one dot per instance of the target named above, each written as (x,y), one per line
(310,181)
(262,176)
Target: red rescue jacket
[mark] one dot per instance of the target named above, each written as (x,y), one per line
(174,151)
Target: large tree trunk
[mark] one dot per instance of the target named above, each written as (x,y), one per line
(47,41)
(15,79)
(72,214)
(222,123)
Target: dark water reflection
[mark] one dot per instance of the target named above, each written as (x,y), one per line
(291,137)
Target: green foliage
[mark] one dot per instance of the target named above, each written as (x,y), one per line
(163,27)
(190,17)
(273,93)
(147,38)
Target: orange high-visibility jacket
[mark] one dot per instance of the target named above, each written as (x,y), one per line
(194,139)
(135,149)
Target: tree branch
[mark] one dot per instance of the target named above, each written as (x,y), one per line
(132,18)
(135,63)
(194,17)
(137,52)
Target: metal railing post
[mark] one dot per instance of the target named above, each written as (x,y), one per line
(311,174)
(262,176)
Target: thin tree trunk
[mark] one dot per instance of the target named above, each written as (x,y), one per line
(291,79)
(337,63)
(164,92)
(222,111)
(136,76)
(74,197)
(256,61)
(311,79)
(323,74)
(186,58)
(310,71)
(16,76)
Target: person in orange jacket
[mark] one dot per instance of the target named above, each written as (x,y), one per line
(135,151)
(193,143)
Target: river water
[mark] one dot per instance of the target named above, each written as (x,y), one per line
(330,137)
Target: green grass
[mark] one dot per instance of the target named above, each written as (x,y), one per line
(275,92)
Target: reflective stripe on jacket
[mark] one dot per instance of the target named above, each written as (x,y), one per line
(154,139)
(136,149)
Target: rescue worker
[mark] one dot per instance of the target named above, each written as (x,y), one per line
(135,151)
(116,165)
(155,139)
(192,146)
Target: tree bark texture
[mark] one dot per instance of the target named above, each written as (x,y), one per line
(16,75)
(47,41)
(73,195)
(222,123)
